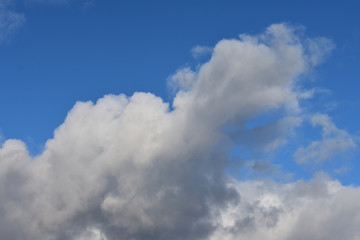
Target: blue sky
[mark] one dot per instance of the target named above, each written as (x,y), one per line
(73,51)
(65,52)
(56,53)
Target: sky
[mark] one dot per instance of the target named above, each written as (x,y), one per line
(179,119)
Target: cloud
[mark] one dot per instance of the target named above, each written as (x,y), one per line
(131,168)
(10,20)
(183,79)
(319,209)
(92,234)
(334,142)
(199,51)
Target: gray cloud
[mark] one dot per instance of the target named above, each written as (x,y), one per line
(130,168)
(319,209)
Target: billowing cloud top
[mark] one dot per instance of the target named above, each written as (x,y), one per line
(131,168)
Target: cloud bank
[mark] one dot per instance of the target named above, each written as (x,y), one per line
(134,167)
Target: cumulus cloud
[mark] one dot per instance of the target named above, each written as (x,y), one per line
(131,168)
(334,142)
(10,20)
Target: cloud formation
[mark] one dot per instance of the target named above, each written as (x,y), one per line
(319,209)
(131,168)
(334,142)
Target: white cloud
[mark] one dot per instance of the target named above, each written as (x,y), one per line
(92,234)
(199,51)
(182,79)
(129,168)
(334,142)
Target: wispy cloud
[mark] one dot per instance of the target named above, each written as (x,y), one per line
(199,51)
(334,142)
(10,20)
(131,168)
